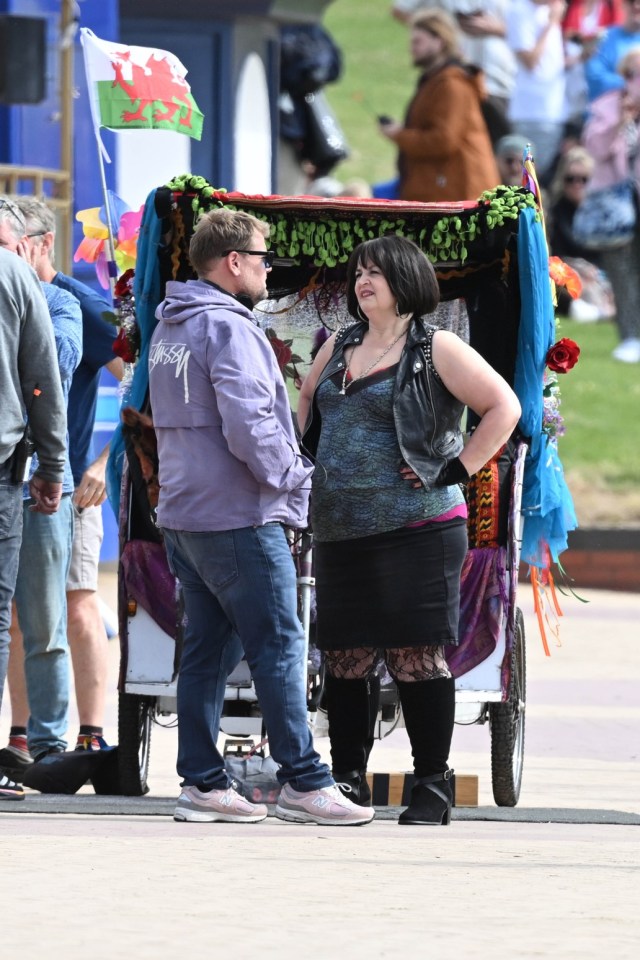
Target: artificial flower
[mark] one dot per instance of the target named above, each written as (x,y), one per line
(123,347)
(124,285)
(563,355)
(565,276)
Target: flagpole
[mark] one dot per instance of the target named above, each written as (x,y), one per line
(112,269)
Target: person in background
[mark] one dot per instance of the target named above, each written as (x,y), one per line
(509,152)
(538,109)
(601,69)
(388,512)
(231,475)
(28,375)
(566,193)
(85,627)
(585,23)
(444,150)
(45,553)
(483,30)
(612,137)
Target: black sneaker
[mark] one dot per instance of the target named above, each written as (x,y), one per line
(9,790)
(13,764)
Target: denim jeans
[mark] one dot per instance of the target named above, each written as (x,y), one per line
(10,536)
(41,601)
(239,590)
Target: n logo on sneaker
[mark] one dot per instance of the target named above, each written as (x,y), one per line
(321,802)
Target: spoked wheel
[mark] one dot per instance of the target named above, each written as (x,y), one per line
(506,721)
(135,719)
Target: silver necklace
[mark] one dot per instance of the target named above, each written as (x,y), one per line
(377,360)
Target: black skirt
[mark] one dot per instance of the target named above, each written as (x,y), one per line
(390,590)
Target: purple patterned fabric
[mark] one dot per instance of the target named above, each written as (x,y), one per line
(483,598)
(149,581)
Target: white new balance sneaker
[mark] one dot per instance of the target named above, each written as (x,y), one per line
(222,806)
(326,806)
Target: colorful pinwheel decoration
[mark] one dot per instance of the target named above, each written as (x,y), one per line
(94,246)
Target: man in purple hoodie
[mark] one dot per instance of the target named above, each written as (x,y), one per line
(231,476)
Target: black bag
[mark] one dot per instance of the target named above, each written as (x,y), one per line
(324,143)
(308,59)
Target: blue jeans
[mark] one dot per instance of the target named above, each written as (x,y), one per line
(10,536)
(41,601)
(239,589)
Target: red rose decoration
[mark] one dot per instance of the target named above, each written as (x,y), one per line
(123,348)
(562,356)
(282,351)
(124,285)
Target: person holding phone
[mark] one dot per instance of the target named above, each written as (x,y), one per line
(444,149)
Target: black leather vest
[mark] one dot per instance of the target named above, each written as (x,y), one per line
(427,416)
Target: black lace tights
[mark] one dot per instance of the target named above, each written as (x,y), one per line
(406,664)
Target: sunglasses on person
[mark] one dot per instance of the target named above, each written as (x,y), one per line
(631,74)
(15,212)
(268,256)
(575,178)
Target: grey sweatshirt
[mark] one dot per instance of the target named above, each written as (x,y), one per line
(28,362)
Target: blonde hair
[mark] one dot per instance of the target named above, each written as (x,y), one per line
(222,230)
(573,155)
(440,24)
(631,56)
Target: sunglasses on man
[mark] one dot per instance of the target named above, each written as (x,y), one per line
(268,256)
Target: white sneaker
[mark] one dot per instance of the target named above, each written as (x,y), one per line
(326,806)
(223,806)
(583,312)
(628,351)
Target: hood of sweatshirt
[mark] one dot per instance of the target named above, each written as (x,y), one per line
(184,300)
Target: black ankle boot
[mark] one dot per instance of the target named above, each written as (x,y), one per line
(354,786)
(431,801)
(352,710)
(429,707)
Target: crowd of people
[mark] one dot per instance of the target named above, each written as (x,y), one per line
(498,74)
(50,551)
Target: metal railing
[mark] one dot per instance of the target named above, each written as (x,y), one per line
(53,186)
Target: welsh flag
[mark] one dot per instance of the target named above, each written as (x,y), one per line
(132,88)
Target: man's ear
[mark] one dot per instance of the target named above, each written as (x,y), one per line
(48,242)
(232,263)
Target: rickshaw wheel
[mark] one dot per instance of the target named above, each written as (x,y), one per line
(507,723)
(135,719)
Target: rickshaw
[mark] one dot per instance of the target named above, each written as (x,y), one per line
(491,262)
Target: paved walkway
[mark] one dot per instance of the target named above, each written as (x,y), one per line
(556,877)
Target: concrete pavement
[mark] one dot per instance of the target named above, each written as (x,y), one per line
(557,876)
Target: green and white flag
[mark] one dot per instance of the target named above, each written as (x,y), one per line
(134,88)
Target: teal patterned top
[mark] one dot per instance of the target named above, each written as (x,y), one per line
(358,489)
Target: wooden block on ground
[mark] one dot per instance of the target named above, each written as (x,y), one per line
(394,789)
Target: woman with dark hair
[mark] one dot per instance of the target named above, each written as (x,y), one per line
(382,406)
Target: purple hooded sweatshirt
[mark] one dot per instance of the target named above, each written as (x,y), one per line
(228,453)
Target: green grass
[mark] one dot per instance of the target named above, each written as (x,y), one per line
(600,404)
(377,79)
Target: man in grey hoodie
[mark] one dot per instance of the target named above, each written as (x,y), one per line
(29,386)
(231,476)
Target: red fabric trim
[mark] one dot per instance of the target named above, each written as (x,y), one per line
(256,201)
